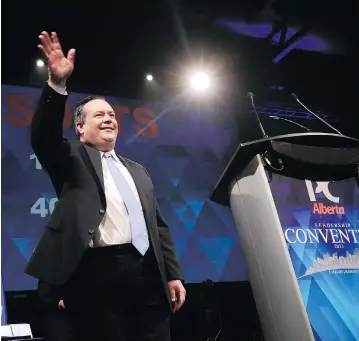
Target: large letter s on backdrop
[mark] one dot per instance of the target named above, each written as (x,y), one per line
(20,105)
(146,117)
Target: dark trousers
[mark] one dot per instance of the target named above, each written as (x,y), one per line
(117,294)
(57,323)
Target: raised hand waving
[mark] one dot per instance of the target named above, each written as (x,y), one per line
(60,67)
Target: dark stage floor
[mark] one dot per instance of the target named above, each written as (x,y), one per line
(223,310)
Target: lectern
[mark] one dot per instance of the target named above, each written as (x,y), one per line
(294,200)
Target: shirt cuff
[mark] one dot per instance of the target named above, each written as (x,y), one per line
(59,89)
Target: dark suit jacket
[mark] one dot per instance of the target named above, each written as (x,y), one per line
(75,170)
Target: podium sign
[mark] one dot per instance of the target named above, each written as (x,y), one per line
(320,224)
(300,238)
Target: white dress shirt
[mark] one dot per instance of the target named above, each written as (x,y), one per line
(115,226)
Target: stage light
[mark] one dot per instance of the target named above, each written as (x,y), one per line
(200,81)
(149,77)
(40,63)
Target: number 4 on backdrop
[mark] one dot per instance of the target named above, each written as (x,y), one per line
(43,206)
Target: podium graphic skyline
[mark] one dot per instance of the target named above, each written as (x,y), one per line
(328,263)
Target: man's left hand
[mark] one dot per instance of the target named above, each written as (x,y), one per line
(61,304)
(178,293)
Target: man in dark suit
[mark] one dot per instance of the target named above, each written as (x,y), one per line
(106,243)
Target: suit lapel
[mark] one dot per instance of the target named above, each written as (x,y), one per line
(96,170)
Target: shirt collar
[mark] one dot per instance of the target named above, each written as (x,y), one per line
(112,152)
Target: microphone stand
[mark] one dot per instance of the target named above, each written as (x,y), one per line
(266,156)
(290,121)
(315,115)
(251,96)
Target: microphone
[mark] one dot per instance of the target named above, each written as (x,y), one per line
(295,97)
(251,96)
(290,121)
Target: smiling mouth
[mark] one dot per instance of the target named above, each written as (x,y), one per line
(107,128)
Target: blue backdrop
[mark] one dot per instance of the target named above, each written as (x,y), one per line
(184,150)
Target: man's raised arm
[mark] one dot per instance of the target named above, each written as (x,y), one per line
(46,134)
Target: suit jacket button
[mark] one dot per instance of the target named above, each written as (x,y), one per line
(102,211)
(91,231)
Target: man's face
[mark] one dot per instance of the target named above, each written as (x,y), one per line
(100,127)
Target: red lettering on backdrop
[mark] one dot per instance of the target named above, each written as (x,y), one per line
(22,116)
(145,116)
(20,104)
(120,109)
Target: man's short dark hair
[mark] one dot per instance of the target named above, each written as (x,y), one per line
(80,114)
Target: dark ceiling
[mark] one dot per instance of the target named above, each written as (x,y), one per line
(118,42)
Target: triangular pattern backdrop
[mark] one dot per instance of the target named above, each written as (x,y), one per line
(184,150)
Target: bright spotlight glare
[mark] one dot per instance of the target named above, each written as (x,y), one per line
(200,81)
(149,77)
(40,63)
